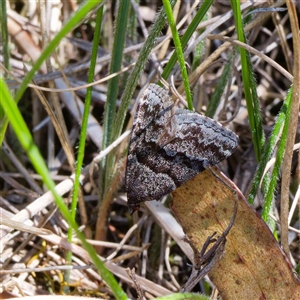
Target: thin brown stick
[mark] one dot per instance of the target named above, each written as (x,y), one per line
(287,160)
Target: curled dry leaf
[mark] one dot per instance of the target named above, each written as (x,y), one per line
(253,266)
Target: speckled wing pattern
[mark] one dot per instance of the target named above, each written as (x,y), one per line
(169,146)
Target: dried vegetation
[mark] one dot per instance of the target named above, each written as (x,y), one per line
(149,242)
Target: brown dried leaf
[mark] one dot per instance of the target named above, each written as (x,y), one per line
(254,266)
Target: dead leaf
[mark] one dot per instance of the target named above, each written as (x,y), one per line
(254,266)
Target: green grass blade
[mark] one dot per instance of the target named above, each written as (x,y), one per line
(269,149)
(83,132)
(113,87)
(183,296)
(200,47)
(180,56)
(252,100)
(4,35)
(219,91)
(136,72)
(5,45)
(282,120)
(187,35)
(132,23)
(22,132)
(78,16)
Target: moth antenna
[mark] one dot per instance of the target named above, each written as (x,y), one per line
(175,92)
(164,82)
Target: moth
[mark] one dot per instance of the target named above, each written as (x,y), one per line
(170,145)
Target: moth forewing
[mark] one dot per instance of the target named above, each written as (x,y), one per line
(169,146)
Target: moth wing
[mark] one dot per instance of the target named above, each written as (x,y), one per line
(198,138)
(143,181)
(169,146)
(154,103)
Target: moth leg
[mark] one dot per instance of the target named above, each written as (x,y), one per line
(171,126)
(172,89)
(174,123)
(169,134)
